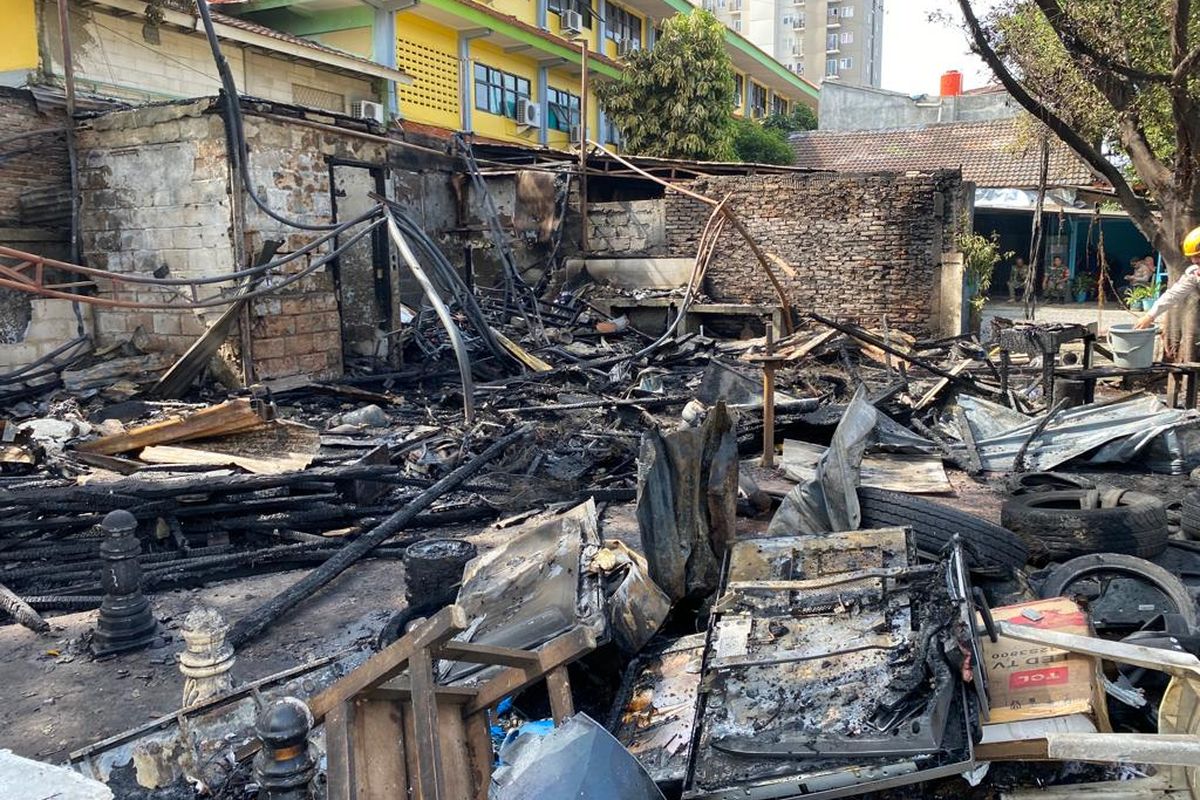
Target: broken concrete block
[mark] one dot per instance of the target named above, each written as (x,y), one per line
(26,779)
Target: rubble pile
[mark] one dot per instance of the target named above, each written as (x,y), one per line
(731,498)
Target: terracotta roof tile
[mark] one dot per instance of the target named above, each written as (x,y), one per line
(992,153)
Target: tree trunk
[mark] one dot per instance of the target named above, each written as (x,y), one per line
(1175,224)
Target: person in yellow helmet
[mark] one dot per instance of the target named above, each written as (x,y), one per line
(1187,283)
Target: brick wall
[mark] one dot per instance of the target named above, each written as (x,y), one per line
(299,330)
(37,164)
(154,196)
(627,228)
(856,246)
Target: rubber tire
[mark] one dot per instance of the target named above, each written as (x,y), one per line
(1028,482)
(990,549)
(1070,571)
(1189,515)
(1056,526)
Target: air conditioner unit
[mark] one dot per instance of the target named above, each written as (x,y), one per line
(529,113)
(365,109)
(571,21)
(627,47)
(574,133)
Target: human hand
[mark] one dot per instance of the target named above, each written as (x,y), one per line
(1144,321)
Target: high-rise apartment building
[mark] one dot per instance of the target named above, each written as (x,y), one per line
(822,40)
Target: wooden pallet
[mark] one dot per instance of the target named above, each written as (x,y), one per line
(391,731)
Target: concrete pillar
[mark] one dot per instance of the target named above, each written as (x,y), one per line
(543,93)
(383,45)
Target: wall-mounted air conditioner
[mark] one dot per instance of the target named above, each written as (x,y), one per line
(571,21)
(627,47)
(529,113)
(366,109)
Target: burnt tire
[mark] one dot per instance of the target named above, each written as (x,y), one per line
(1059,581)
(1027,482)
(989,548)
(1189,515)
(1064,524)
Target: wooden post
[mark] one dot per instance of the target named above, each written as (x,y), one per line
(768,456)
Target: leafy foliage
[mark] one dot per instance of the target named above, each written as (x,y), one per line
(802,118)
(675,100)
(1119,83)
(980,256)
(758,144)
(1133,34)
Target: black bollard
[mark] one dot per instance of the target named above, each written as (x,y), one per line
(284,767)
(126,622)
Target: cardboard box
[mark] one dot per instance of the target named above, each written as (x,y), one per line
(1028,681)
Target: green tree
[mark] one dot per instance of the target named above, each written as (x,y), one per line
(1109,76)
(758,144)
(675,100)
(802,118)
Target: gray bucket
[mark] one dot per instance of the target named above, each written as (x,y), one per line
(1131,347)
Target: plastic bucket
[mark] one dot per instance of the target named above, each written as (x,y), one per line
(1131,347)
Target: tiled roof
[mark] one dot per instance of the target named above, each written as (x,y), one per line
(994,154)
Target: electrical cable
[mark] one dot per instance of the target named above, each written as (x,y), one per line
(235,128)
(213,303)
(228,276)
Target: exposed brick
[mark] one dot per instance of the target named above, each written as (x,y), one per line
(857,246)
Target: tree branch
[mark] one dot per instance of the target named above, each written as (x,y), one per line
(1077,45)
(1185,68)
(1137,208)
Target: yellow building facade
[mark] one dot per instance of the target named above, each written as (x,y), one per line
(480,67)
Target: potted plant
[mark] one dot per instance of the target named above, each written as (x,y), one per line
(1139,298)
(1082,286)
(980,256)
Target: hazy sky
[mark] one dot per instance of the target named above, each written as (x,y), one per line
(916,51)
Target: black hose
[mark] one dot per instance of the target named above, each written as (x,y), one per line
(234,128)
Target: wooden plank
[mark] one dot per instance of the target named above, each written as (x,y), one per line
(232,416)
(479,754)
(1168,749)
(557,652)
(940,386)
(456,763)
(426,740)
(391,660)
(487,654)
(520,353)
(1181,665)
(399,689)
(558,685)
(339,753)
(379,750)
(194,456)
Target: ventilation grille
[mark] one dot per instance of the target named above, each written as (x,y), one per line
(318,98)
(435,79)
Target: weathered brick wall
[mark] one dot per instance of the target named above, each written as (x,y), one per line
(156,194)
(298,331)
(856,246)
(627,228)
(154,197)
(36,164)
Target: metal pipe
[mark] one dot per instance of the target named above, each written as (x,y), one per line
(456,340)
